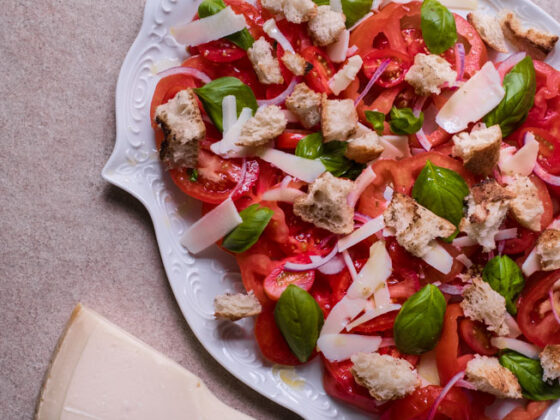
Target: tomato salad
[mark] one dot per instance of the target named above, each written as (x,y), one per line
(390,192)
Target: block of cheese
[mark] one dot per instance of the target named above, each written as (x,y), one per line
(100,371)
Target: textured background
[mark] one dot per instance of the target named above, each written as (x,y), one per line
(65,234)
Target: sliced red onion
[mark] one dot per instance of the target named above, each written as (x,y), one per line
(380,70)
(451,289)
(368,229)
(465,384)
(444,392)
(284,194)
(463,259)
(272,31)
(334,266)
(189,71)
(504,234)
(460,60)
(359,22)
(417,150)
(350,265)
(510,62)
(545,176)
(362,218)
(281,97)
(420,135)
(463,241)
(366,177)
(553,303)
(313,264)
(241,178)
(519,346)
(514,330)
(387,342)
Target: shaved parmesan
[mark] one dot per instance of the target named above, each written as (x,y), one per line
(337,51)
(305,169)
(342,313)
(210,28)
(523,161)
(439,258)
(229,112)
(287,195)
(338,347)
(427,368)
(519,346)
(371,314)
(461,4)
(395,147)
(476,98)
(272,31)
(365,231)
(346,75)
(227,147)
(531,264)
(374,274)
(463,259)
(213,226)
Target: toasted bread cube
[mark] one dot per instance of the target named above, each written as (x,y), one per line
(385,377)
(182,125)
(264,63)
(429,73)
(489,29)
(527,208)
(364,146)
(487,375)
(326,205)
(326,26)
(294,62)
(267,124)
(339,119)
(415,226)
(550,362)
(538,44)
(305,103)
(299,11)
(480,150)
(488,204)
(548,249)
(274,6)
(346,75)
(234,307)
(484,304)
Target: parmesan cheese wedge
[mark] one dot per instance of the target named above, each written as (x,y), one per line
(521,162)
(307,170)
(374,273)
(339,347)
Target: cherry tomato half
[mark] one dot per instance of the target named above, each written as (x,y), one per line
(279,279)
(220,51)
(396,70)
(289,139)
(323,69)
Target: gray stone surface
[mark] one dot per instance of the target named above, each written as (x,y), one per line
(66,235)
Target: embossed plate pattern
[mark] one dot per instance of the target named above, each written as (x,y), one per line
(134,167)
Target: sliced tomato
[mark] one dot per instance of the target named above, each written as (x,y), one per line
(220,51)
(533,411)
(296,34)
(414,41)
(376,325)
(538,326)
(476,53)
(279,279)
(166,89)
(289,139)
(270,340)
(549,150)
(253,15)
(475,335)
(396,70)
(403,283)
(243,70)
(323,69)
(394,352)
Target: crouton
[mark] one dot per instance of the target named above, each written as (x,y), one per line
(183,128)
(415,226)
(482,303)
(538,44)
(364,145)
(299,11)
(385,377)
(305,103)
(234,307)
(268,123)
(487,375)
(548,249)
(339,119)
(550,362)
(294,62)
(429,73)
(489,29)
(265,64)
(274,6)
(480,150)
(527,208)
(488,204)
(326,26)
(326,206)
(346,75)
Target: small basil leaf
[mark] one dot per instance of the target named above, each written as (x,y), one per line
(376,119)
(505,277)
(441,191)
(403,121)
(242,39)
(336,163)
(212,94)
(194,175)
(529,373)
(418,325)
(310,147)
(520,86)
(354,10)
(300,319)
(244,236)
(438,26)
(322,2)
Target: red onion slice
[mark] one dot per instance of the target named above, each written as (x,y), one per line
(460,60)
(350,265)
(362,218)
(420,135)
(387,342)
(465,384)
(380,70)
(444,392)
(451,289)
(280,98)
(334,266)
(366,177)
(313,264)
(553,302)
(189,71)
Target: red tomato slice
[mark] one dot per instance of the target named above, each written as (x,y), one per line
(253,15)
(474,334)
(396,70)
(549,150)
(538,326)
(279,279)
(394,352)
(523,243)
(533,411)
(379,324)
(289,139)
(220,51)
(271,342)
(296,34)
(477,54)
(414,41)
(403,283)
(323,69)
(166,89)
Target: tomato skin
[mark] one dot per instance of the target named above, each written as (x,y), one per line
(395,72)
(289,139)
(477,55)
(279,279)
(220,51)
(538,329)
(379,324)
(474,334)
(166,89)
(323,69)
(271,342)
(532,412)
(549,150)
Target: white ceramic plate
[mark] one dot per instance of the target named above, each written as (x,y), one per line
(134,167)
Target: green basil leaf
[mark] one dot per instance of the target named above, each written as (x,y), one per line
(354,10)
(194,175)
(242,39)
(441,191)
(212,94)
(505,277)
(322,2)
(310,147)
(438,26)
(244,236)
(376,119)
(520,86)
(418,325)
(529,373)
(403,121)
(299,319)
